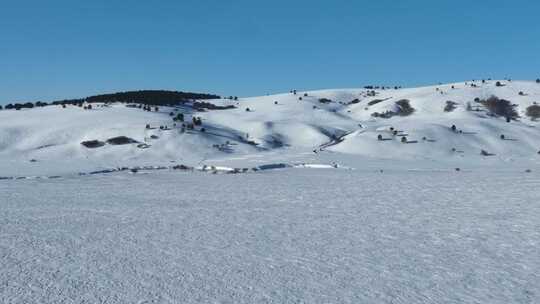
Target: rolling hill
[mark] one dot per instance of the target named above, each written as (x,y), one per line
(358,128)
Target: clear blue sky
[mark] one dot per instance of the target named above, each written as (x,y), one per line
(64,48)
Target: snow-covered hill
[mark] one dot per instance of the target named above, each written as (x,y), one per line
(403,227)
(307,127)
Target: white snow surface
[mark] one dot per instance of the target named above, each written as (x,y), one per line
(289,236)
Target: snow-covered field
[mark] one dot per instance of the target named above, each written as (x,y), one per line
(323,211)
(285,236)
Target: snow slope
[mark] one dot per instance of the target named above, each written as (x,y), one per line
(282,128)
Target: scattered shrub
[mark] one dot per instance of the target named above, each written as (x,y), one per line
(386,114)
(533,112)
(500,107)
(182,167)
(450,106)
(121,140)
(324,100)
(92,144)
(197,121)
(374,102)
(405,109)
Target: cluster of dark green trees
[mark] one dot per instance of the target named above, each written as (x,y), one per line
(146,97)
(26,105)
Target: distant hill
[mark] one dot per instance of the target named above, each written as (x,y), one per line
(149,97)
(483,123)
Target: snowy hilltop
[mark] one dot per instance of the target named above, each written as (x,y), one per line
(475,123)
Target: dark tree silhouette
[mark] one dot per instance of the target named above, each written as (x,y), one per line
(146,97)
